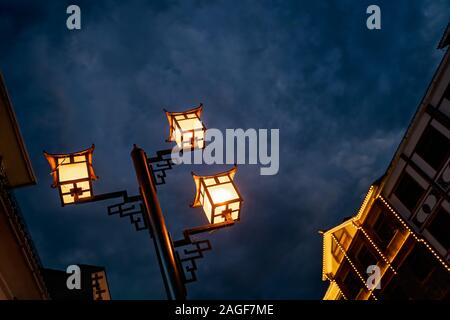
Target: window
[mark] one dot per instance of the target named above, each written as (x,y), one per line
(385,229)
(420,262)
(352,283)
(343,238)
(440,227)
(336,251)
(433,147)
(365,257)
(408,191)
(395,290)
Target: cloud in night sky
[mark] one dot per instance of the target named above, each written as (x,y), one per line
(341,95)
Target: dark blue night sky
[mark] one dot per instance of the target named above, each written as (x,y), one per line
(341,95)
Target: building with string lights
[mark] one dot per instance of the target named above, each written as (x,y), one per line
(403,225)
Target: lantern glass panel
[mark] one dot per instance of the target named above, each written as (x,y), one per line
(218,214)
(67,198)
(188,128)
(65,188)
(186,140)
(223,179)
(220,209)
(234,206)
(223,193)
(85,188)
(81,189)
(178,136)
(207,207)
(79,158)
(63,160)
(190,124)
(73,171)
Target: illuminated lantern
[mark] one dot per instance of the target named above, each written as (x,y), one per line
(186,128)
(219,196)
(72,174)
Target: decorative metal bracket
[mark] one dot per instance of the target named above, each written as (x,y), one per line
(134,211)
(159,164)
(188,260)
(189,256)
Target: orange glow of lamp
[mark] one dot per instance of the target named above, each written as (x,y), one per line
(72,174)
(186,128)
(219,196)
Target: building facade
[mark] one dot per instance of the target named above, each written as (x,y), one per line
(398,244)
(20,266)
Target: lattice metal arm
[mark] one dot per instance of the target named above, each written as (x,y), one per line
(124,209)
(134,211)
(206,228)
(159,164)
(187,258)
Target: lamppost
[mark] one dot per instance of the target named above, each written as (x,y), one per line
(73,174)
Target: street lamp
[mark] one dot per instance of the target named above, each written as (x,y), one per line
(218,195)
(73,174)
(186,128)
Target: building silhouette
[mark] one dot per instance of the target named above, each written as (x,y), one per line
(403,225)
(93,281)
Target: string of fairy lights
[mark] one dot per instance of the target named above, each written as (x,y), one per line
(361,209)
(386,260)
(365,202)
(412,233)
(354,267)
(337,285)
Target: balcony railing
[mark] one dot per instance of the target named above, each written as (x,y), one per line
(19,227)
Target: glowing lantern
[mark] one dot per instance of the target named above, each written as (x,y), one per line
(219,196)
(186,128)
(72,174)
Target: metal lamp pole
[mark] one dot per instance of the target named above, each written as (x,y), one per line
(170,270)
